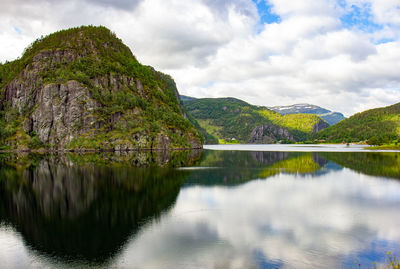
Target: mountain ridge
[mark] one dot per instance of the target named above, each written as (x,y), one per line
(233,119)
(329,116)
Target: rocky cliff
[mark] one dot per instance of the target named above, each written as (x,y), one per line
(269,133)
(82,89)
(320,126)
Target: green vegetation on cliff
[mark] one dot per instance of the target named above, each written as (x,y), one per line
(82,88)
(377,126)
(227,118)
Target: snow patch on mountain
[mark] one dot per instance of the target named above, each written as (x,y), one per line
(329,116)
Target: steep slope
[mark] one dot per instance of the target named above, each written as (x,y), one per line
(329,116)
(380,125)
(82,88)
(227,118)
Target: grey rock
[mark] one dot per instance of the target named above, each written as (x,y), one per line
(320,125)
(268,134)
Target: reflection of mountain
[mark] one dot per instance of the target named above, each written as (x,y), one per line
(232,167)
(86,211)
(243,159)
(237,167)
(371,163)
(303,163)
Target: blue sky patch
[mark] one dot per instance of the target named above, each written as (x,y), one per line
(263,263)
(265,13)
(359,17)
(18,30)
(384,40)
(375,252)
(209,84)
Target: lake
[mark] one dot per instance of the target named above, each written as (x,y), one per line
(228,206)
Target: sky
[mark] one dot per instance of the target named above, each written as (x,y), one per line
(343,55)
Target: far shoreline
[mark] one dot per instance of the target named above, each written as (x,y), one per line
(322,147)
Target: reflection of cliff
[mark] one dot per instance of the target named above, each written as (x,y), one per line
(237,167)
(268,158)
(85,211)
(243,159)
(385,164)
(303,163)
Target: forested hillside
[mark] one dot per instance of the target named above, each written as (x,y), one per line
(377,126)
(230,118)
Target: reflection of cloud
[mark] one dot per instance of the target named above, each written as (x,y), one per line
(304,223)
(12,252)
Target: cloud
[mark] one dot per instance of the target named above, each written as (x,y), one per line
(166,38)
(119,4)
(223,48)
(304,7)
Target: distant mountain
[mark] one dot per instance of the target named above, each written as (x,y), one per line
(380,125)
(234,119)
(185,98)
(329,116)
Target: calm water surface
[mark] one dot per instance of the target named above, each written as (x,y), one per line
(222,208)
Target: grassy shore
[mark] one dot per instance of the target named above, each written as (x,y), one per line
(386,147)
(227,142)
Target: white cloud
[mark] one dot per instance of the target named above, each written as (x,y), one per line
(304,7)
(219,48)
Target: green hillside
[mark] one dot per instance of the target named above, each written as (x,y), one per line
(226,118)
(378,126)
(82,88)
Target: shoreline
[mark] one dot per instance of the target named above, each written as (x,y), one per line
(93,150)
(384,147)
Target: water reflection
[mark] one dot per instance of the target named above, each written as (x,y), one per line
(383,164)
(72,208)
(237,167)
(230,209)
(306,223)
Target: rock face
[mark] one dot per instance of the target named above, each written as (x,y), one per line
(269,133)
(320,126)
(62,112)
(82,89)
